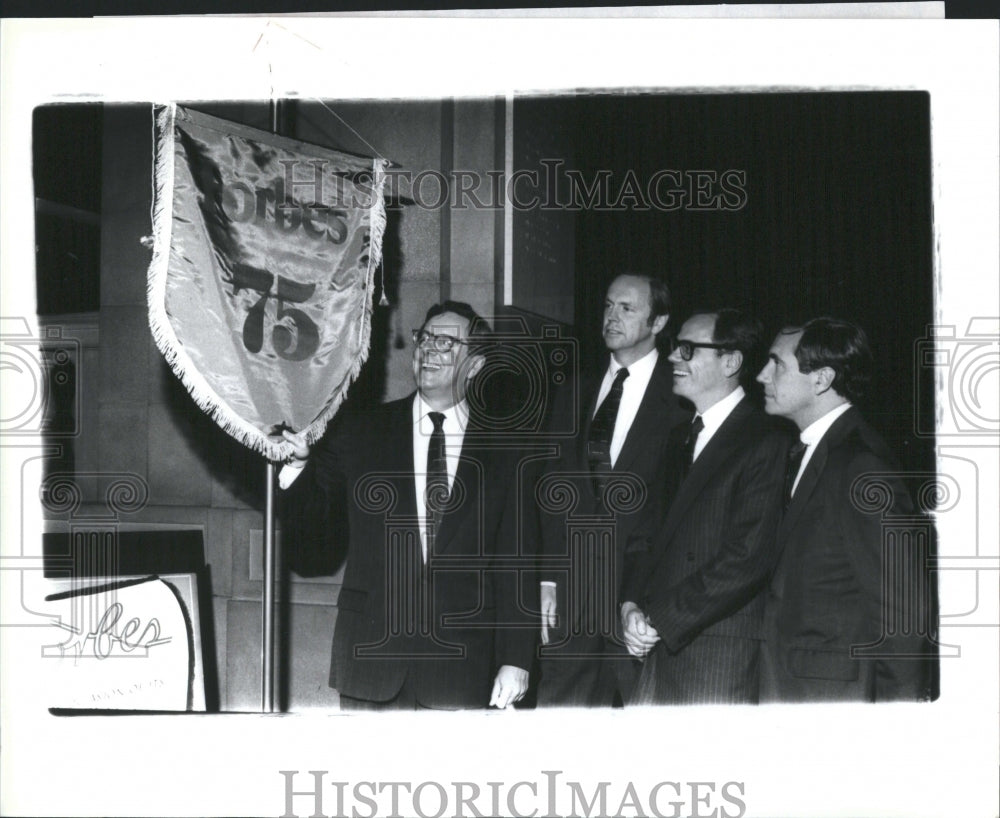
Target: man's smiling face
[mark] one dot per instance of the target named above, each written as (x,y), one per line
(441,376)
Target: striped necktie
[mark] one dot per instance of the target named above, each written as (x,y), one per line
(602,430)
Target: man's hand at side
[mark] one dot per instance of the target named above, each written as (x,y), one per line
(510,686)
(549,609)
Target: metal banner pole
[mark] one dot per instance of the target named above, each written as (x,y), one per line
(267,600)
(267,640)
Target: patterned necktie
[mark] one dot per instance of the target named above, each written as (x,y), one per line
(436,493)
(792,464)
(602,429)
(691,441)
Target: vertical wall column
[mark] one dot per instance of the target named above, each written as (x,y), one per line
(472,222)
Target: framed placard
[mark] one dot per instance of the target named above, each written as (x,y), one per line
(134,644)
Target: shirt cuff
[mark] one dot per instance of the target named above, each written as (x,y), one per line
(289,473)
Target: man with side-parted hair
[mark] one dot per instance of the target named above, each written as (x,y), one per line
(425,617)
(848,616)
(692,596)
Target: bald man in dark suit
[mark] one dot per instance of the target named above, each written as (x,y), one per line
(623,414)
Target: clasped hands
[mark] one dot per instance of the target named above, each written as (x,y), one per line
(640,635)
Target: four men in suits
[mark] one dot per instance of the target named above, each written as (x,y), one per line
(691,599)
(426,618)
(624,414)
(849,612)
(746,578)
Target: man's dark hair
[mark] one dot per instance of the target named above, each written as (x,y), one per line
(840,345)
(480,331)
(742,333)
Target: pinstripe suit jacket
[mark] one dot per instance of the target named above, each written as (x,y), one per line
(699,573)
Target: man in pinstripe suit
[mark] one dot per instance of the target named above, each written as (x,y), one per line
(693,606)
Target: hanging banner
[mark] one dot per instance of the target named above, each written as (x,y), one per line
(260,288)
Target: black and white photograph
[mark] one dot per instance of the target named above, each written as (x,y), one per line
(430,437)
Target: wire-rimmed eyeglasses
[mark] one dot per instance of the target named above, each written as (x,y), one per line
(441,343)
(686,348)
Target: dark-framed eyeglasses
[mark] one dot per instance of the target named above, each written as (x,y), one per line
(687,348)
(441,343)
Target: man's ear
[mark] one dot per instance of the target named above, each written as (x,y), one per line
(734,360)
(475,363)
(823,379)
(659,324)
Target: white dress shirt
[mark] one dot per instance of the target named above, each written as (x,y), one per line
(456,419)
(633,390)
(714,417)
(813,434)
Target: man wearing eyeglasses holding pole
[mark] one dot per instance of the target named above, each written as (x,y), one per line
(693,605)
(425,618)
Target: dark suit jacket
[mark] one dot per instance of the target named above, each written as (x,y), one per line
(827,594)
(640,461)
(698,575)
(448,624)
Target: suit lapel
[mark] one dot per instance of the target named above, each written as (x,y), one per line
(653,413)
(814,469)
(590,385)
(401,429)
(466,488)
(715,454)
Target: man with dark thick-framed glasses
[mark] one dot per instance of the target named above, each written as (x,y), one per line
(692,605)
(425,617)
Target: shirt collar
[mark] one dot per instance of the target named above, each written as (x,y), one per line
(814,432)
(715,415)
(456,416)
(642,368)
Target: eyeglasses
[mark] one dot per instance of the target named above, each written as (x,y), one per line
(441,343)
(687,348)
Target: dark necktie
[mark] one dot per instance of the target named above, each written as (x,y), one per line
(792,464)
(691,441)
(602,430)
(436,494)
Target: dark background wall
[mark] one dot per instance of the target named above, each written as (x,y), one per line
(836,219)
